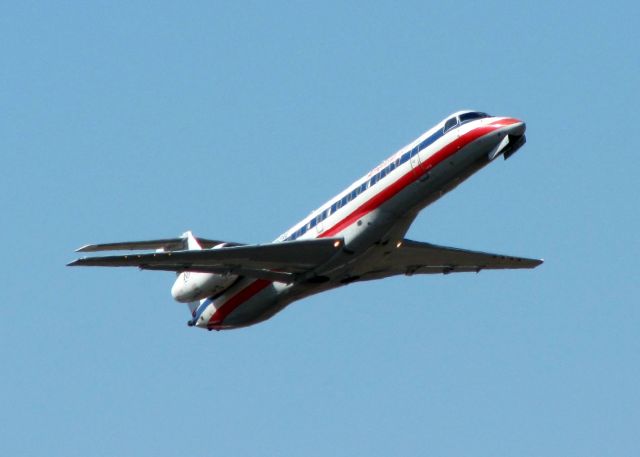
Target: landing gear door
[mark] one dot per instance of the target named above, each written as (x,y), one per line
(418,165)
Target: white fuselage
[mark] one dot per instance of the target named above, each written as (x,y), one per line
(375,211)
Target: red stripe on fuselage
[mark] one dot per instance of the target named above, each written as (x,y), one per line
(397,186)
(235,301)
(373,203)
(505,121)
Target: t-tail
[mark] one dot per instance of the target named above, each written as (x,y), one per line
(195,284)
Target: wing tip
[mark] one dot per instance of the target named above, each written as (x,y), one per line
(521,262)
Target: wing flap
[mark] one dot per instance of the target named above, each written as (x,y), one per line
(269,275)
(287,257)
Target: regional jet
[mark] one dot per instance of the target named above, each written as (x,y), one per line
(358,235)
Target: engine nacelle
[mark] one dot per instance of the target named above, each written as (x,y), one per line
(192,286)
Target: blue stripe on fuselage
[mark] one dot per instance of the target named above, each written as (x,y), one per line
(376,178)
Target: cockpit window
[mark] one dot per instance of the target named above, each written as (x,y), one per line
(472,116)
(451,123)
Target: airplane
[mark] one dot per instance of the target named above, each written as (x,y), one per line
(358,235)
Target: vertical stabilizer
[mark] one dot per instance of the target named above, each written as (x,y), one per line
(192,243)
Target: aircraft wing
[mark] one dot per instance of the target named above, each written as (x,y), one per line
(276,262)
(414,257)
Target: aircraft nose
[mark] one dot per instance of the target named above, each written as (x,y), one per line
(518,128)
(509,135)
(513,126)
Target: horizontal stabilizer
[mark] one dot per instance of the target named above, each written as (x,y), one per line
(285,258)
(168,244)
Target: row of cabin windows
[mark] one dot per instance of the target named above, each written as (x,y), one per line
(353,194)
(451,123)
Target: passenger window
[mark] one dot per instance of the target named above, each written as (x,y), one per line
(451,123)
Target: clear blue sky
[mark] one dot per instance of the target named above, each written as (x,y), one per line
(134,120)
